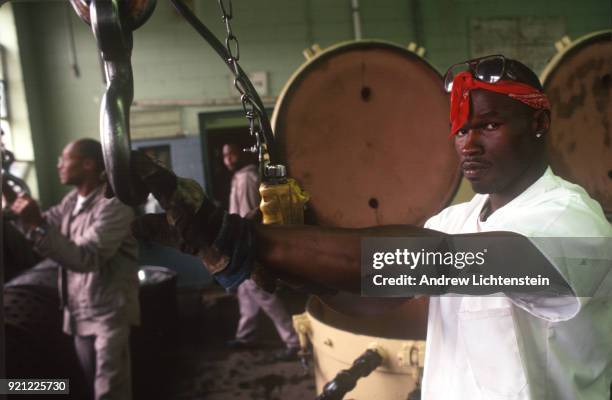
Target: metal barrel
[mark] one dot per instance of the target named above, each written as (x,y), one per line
(36,347)
(363,127)
(578,81)
(338,340)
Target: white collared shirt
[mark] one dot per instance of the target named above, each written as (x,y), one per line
(81,200)
(500,347)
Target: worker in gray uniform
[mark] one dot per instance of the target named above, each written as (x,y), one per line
(243,200)
(89,237)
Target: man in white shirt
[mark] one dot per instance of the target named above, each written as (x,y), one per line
(511,346)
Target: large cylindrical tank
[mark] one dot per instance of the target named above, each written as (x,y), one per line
(338,339)
(578,81)
(363,127)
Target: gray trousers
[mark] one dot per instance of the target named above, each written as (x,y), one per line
(105,361)
(251,299)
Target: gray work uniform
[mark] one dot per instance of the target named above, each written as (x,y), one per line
(95,248)
(244,197)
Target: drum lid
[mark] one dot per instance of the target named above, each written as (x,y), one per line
(363,127)
(578,82)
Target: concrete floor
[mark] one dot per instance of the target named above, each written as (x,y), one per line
(195,364)
(173,357)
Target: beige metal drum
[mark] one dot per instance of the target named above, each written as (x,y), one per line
(363,127)
(336,345)
(578,81)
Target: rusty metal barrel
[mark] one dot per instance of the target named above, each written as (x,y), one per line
(36,347)
(363,127)
(578,81)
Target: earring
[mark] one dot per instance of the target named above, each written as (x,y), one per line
(539,134)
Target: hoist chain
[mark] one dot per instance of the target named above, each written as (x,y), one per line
(252,113)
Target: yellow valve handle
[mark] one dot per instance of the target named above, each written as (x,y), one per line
(282,203)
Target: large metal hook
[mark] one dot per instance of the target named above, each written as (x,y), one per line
(137,12)
(112,22)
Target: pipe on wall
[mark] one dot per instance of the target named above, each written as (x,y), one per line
(212,102)
(356,19)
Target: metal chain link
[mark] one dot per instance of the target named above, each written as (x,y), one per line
(251,112)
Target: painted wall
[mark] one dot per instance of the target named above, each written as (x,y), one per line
(185,155)
(172,64)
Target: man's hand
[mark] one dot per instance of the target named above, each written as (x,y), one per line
(28,210)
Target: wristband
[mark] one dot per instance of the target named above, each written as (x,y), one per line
(40,231)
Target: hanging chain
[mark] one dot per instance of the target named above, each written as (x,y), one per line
(252,113)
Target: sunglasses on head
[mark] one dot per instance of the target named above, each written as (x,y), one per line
(489,69)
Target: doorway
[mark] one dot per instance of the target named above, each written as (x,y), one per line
(217,129)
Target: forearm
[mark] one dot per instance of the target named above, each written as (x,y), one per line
(59,248)
(330,257)
(95,245)
(53,215)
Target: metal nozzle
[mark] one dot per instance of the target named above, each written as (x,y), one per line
(276,172)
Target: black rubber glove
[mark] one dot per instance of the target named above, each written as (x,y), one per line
(192,223)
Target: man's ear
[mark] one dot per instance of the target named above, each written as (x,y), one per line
(89,164)
(541,123)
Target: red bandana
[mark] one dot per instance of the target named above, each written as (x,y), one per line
(465,82)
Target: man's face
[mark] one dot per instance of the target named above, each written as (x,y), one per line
(231,157)
(496,146)
(71,166)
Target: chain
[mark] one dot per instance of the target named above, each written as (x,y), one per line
(251,112)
